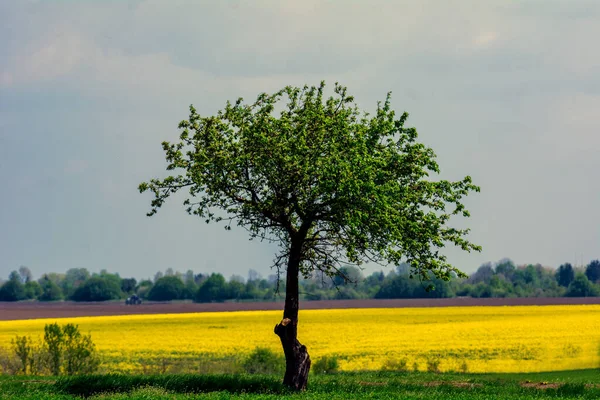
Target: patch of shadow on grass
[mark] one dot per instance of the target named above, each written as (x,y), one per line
(457,384)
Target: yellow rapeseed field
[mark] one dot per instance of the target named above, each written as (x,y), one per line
(482,339)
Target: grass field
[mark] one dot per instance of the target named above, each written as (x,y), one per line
(582,384)
(475,339)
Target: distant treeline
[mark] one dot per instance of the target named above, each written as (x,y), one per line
(501,279)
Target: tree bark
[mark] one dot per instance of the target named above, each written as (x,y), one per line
(297,361)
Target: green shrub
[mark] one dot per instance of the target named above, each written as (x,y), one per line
(68,351)
(30,355)
(263,361)
(392,364)
(79,352)
(9,362)
(22,348)
(326,365)
(433,365)
(53,345)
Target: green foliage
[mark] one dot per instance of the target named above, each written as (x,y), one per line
(30,355)
(393,364)
(326,365)
(98,288)
(502,279)
(571,389)
(23,349)
(12,290)
(79,352)
(167,288)
(143,288)
(342,185)
(212,289)
(401,286)
(565,275)
(263,361)
(32,290)
(50,290)
(592,271)
(69,351)
(54,346)
(73,278)
(9,362)
(433,365)
(15,277)
(236,290)
(581,287)
(128,285)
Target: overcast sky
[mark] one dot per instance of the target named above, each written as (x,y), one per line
(507,92)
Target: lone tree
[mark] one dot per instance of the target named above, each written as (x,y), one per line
(331,185)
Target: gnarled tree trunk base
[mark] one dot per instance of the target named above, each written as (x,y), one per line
(297,361)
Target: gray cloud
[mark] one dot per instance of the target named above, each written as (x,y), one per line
(505,92)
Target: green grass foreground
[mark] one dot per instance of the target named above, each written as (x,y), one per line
(581,384)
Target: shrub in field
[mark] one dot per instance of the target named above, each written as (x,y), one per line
(571,351)
(23,350)
(263,361)
(326,365)
(64,351)
(392,364)
(433,365)
(30,355)
(79,352)
(9,362)
(53,345)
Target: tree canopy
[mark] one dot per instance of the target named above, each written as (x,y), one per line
(167,288)
(355,187)
(97,289)
(592,271)
(565,274)
(12,290)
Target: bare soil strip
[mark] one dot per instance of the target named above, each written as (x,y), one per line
(34,310)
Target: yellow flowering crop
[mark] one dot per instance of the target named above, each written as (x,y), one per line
(484,339)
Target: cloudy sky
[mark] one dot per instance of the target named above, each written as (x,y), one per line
(507,92)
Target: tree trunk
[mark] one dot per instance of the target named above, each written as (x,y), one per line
(297,361)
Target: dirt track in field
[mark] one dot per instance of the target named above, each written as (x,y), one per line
(33,310)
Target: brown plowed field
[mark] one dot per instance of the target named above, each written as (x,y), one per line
(32,310)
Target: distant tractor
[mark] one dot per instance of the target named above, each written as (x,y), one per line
(133,300)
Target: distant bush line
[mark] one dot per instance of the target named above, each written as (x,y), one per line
(500,279)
